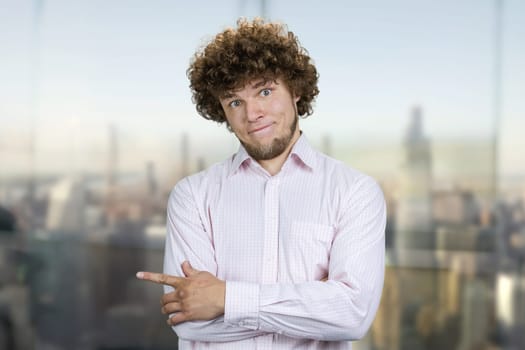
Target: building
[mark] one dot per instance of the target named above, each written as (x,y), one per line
(414,206)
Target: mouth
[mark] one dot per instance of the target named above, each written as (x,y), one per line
(260,129)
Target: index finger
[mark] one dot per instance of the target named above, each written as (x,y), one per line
(159,278)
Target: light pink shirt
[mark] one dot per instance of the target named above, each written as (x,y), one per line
(273,238)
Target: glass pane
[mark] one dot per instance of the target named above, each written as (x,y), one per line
(97,125)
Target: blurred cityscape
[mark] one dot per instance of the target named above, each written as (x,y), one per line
(70,247)
(71,241)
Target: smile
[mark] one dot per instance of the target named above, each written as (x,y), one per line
(260,129)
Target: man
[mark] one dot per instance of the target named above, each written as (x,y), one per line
(279,246)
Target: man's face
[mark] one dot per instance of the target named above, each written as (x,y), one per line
(263,116)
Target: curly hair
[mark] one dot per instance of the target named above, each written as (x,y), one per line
(253,50)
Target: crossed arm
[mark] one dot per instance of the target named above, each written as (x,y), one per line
(198,296)
(341,308)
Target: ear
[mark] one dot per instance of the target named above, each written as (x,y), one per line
(297,98)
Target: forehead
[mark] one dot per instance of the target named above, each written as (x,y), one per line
(252,84)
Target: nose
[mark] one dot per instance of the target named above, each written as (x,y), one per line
(254,110)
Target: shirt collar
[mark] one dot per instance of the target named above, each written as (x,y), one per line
(239,159)
(301,151)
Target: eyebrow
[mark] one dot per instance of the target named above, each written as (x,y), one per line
(227,95)
(257,84)
(262,82)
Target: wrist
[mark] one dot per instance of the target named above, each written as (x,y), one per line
(242,304)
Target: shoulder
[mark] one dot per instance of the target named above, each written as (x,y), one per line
(345,175)
(348,184)
(198,184)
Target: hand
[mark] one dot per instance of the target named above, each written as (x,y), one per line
(198,296)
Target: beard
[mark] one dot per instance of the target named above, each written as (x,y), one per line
(275,148)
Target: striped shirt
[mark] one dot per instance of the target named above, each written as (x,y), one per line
(273,239)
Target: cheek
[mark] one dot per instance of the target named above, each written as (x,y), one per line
(287,111)
(278,108)
(230,119)
(235,126)
(286,105)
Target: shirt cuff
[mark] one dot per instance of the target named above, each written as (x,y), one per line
(241,305)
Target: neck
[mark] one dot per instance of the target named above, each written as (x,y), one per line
(274,165)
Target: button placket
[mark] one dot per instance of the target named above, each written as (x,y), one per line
(271,231)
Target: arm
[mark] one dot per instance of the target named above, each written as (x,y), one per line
(342,308)
(188,240)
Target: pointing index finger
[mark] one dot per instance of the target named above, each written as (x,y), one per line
(159,278)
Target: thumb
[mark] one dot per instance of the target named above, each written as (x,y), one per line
(188,269)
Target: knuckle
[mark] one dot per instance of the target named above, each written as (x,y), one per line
(162,278)
(187,314)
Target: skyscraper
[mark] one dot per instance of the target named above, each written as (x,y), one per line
(414,209)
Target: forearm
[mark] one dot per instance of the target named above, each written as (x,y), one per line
(330,311)
(317,310)
(214,331)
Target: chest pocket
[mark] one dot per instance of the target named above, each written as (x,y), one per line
(307,251)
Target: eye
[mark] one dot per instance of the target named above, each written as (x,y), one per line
(266,92)
(235,103)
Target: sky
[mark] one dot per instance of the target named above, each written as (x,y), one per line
(80,66)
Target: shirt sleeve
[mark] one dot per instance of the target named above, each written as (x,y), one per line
(341,308)
(188,240)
